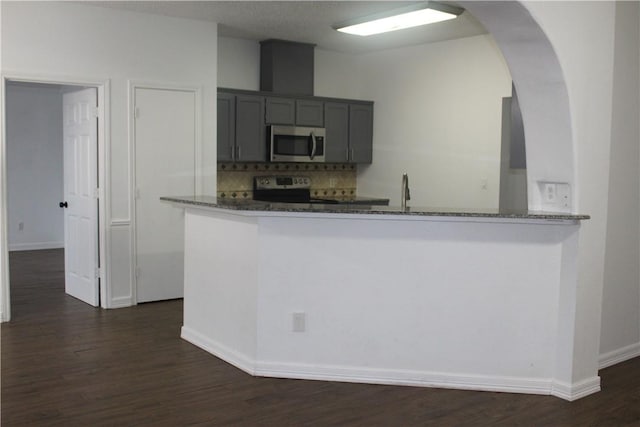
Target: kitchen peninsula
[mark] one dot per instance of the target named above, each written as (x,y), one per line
(379,294)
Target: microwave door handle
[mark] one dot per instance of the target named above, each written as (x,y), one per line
(313,149)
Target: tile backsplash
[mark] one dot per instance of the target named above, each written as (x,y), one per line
(332,180)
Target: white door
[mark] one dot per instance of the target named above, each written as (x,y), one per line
(80,132)
(165,137)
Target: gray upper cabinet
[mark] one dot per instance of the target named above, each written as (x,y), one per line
(349,130)
(280,111)
(241,130)
(309,113)
(360,133)
(226,126)
(251,143)
(336,123)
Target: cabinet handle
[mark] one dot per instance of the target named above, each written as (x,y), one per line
(313,147)
(239,153)
(232,149)
(347,154)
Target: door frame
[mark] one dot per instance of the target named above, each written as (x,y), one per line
(104,107)
(198,158)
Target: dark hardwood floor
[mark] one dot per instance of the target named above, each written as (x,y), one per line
(65,363)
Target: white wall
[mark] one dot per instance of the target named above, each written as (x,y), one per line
(238,63)
(72,40)
(438,117)
(337,75)
(621,293)
(34,167)
(582,34)
(407,300)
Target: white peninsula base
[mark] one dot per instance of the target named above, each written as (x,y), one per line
(467,303)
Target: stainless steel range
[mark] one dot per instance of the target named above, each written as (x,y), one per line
(285,189)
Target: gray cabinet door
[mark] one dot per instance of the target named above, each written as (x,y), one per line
(336,121)
(281,111)
(251,145)
(309,113)
(360,133)
(226,126)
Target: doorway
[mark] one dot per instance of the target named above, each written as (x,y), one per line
(52,171)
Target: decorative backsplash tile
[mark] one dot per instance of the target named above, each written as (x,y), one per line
(332,180)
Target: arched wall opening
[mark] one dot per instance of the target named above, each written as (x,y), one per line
(543,98)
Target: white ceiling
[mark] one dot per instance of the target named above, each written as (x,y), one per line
(304,21)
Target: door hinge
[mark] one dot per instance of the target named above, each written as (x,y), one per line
(96,193)
(97,272)
(136,194)
(137,272)
(136,112)
(95,112)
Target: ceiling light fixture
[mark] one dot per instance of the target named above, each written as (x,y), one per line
(411,16)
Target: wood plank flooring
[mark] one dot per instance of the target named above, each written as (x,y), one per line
(65,363)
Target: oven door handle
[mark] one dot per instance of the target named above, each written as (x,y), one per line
(313,146)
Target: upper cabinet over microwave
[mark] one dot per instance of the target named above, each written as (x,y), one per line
(294,112)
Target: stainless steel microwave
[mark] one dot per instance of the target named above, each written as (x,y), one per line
(296,144)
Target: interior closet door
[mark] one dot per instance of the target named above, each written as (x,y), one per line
(80,133)
(165,138)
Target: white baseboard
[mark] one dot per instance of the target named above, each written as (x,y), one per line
(405,377)
(619,355)
(233,357)
(575,391)
(392,376)
(121,302)
(35,246)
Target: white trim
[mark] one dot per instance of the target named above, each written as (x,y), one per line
(405,377)
(36,246)
(577,390)
(392,376)
(230,356)
(121,302)
(5,306)
(104,120)
(104,193)
(618,356)
(131,149)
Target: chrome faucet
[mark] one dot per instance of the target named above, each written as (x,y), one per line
(405,194)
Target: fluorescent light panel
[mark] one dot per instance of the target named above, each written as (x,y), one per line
(399,21)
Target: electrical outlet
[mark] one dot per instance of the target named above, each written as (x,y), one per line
(21,226)
(299,322)
(549,193)
(555,196)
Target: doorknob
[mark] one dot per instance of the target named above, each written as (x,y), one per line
(64,205)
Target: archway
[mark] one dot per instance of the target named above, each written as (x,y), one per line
(543,97)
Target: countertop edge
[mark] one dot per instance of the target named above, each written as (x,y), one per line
(267,209)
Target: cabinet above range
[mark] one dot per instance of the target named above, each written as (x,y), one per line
(243,117)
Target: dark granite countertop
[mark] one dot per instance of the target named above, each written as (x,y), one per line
(257,206)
